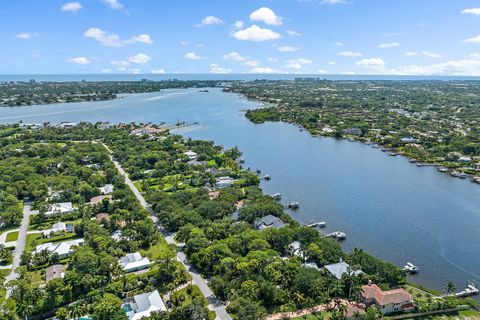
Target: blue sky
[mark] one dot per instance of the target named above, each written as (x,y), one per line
(412,37)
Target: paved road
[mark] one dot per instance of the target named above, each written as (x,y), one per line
(20,247)
(214,304)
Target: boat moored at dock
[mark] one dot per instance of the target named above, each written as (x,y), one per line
(411,268)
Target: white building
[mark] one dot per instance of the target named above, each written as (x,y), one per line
(59,208)
(143,305)
(63,249)
(224,182)
(57,227)
(134,262)
(106,189)
(191,155)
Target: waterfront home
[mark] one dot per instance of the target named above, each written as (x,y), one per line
(102,216)
(213,195)
(106,189)
(63,249)
(191,155)
(311,265)
(224,182)
(132,262)
(464,159)
(269,221)
(340,268)
(54,272)
(196,163)
(390,301)
(98,199)
(59,209)
(294,249)
(409,140)
(143,305)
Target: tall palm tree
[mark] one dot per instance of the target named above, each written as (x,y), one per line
(76,310)
(449,288)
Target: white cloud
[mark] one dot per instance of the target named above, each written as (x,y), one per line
(252,63)
(293,33)
(144,38)
(431,54)
(158,71)
(331,62)
(271,59)
(72,6)
(474,11)
(112,40)
(140,58)
(473,40)
(334,1)
(114,4)
(287,49)
(26,35)
(79,60)
(193,56)
(321,71)
(255,33)
(267,16)
(263,70)
(411,53)
(350,54)
(371,62)
(184,43)
(135,71)
(389,45)
(469,66)
(120,63)
(121,69)
(235,56)
(106,70)
(339,44)
(238,24)
(210,20)
(215,68)
(298,64)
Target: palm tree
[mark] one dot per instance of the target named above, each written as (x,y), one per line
(25,310)
(449,288)
(76,310)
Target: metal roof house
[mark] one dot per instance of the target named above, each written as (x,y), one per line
(143,305)
(340,268)
(134,262)
(269,221)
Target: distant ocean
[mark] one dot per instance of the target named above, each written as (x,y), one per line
(198,76)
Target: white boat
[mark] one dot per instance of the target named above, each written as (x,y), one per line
(277,196)
(267,177)
(411,268)
(338,235)
(470,290)
(293,205)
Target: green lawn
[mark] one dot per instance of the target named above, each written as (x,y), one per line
(12,236)
(159,251)
(138,185)
(196,293)
(35,239)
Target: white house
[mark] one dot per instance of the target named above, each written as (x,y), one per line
(224,182)
(63,249)
(106,189)
(191,155)
(134,262)
(59,208)
(56,228)
(143,305)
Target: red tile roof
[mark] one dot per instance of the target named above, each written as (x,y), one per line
(383,298)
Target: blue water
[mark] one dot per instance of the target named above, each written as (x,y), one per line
(386,205)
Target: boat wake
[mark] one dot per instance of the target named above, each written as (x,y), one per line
(443,255)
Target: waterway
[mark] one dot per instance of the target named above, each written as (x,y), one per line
(387,206)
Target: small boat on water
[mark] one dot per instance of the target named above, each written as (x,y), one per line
(293,205)
(476,179)
(338,235)
(457,174)
(411,268)
(412,160)
(277,196)
(442,169)
(393,154)
(267,177)
(241,160)
(321,224)
(470,290)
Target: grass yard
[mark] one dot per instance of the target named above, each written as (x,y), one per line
(196,293)
(319,316)
(138,185)
(159,251)
(35,239)
(461,315)
(12,236)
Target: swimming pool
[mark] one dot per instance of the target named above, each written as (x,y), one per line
(127,307)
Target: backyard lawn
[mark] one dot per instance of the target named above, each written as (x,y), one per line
(12,236)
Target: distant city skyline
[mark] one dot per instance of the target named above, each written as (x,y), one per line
(431,37)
